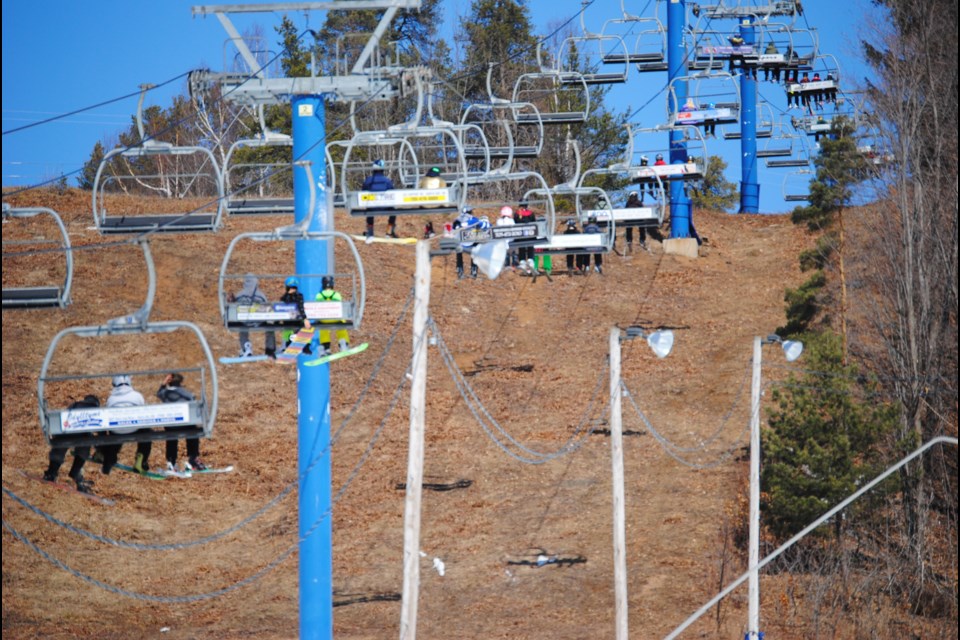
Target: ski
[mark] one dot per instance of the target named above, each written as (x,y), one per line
(241,360)
(69,488)
(337,355)
(153,475)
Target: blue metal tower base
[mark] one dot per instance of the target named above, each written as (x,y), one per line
(313,390)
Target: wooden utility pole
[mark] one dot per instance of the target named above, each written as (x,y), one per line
(414,492)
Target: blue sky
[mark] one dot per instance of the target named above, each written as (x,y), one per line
(60,56)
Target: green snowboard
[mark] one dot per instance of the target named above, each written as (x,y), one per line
(337,355)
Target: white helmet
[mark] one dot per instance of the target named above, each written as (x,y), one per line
(121,380)
(506,212)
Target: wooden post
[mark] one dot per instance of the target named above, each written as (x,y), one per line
(619,507)
(414,492)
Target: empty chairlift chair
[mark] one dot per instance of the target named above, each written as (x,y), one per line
(589,55)
(644,38)
(796,185)
(164,175)
(513,130)
(17,260)
(562,97)
(257,174)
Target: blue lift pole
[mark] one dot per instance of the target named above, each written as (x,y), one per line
(749,184)
(313,389)
(680,206)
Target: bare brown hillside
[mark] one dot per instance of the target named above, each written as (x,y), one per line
(531,350)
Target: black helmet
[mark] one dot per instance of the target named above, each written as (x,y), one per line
(327,282)
(434,171)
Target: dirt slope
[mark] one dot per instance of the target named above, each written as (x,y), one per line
(532,351)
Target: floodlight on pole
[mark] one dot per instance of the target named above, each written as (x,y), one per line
(791,351)
(661,342)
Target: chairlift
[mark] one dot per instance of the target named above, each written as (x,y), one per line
(513,130)
(824,81)
(595,53)
(790,195)
(248,315)
(713,98)
(32,297)
(560,97)
(259,188)
(765,124)
(645,41)
(102,426)
(473,150)
(573,243)
(490,196)
(689,166)
(802,159)
(645,216)
(406,156)
(146,174)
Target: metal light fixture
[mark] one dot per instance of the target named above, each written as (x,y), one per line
(661,341)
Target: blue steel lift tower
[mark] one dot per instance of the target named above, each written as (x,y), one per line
(306,97)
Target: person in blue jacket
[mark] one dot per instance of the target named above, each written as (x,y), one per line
(378,181)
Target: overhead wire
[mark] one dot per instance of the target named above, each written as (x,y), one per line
(61,116)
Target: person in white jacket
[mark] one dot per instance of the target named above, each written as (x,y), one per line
(124,395)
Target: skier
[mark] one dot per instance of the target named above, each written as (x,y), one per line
(377,181)
(172,391)
(251,294)
(293,296)
(80,454)
(329,294)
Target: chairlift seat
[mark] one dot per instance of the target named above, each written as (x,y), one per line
(792,162)
(772,60)
(726,52)
(807,87)
(625,217)
(687,171)
(774,153)
(32,297)
(633,58)
(260,206)
(595,78)
(736,135)
(707,65)
(658,65)
(519,235)
(561,117)
(402,201)
(162,223)
(719,115)
(114,425)
(575,243)
(274,316)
